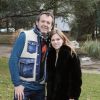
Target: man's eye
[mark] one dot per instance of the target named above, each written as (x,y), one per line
(42,21)
(48,22)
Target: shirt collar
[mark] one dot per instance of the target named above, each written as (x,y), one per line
(37,31)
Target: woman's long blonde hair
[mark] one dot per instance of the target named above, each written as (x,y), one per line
(65,39)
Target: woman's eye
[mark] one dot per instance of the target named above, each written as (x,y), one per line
(58,39)
(52,40)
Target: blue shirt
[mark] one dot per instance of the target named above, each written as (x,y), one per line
(14,58)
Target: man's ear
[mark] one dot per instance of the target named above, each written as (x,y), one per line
(37,23)
(52,27)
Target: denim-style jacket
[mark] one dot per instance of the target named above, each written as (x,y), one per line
(25,59)
(28,59)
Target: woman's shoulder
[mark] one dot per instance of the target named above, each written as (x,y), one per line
(65,48)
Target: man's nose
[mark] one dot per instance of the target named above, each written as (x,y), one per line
(45,23)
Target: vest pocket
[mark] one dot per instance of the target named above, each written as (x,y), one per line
(26,67)
(32,45)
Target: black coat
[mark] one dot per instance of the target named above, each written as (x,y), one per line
(64,80)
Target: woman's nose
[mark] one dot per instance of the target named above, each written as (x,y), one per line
(55,41)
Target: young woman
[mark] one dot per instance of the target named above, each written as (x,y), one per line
(63,67)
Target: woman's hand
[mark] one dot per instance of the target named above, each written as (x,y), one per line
(19,92)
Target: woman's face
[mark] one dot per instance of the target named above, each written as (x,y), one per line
(56,41)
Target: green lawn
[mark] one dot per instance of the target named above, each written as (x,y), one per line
(6,87)
(90,87)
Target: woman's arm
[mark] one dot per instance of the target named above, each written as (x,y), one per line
(76,77)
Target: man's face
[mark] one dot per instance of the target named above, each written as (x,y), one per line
(45,23)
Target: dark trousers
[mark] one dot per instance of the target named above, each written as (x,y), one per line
(33,91)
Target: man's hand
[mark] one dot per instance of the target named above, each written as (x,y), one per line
(19,92)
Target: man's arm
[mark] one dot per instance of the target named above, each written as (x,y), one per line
(14,59)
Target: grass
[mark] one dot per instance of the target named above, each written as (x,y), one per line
(90,87)
(6,87)
(92,48)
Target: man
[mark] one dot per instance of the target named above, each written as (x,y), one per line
(28,59)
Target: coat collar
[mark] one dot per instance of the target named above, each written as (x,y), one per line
(63,48)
